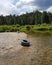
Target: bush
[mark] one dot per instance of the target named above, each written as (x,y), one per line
(17,25)
(13,30)
(28,27)
(42,29)
(50,28)
(2,29)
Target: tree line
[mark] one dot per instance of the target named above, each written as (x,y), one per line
(33,18)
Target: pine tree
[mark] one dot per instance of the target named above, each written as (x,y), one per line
(45,17)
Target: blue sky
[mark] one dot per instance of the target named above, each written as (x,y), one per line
(19,7)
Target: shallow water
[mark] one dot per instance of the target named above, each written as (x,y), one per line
(12,53)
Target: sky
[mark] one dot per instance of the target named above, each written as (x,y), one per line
(19,7)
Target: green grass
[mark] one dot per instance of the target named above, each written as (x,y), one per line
(30,29)
(38,29)
(8,28)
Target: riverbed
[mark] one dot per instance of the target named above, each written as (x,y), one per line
(12,53)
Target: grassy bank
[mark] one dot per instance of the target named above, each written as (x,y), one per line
(8,28)
(37,29)
(31,29)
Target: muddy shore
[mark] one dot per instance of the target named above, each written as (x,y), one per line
(12,53)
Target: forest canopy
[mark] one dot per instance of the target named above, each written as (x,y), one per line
(33,18)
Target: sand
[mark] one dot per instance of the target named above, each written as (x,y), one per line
(12,53)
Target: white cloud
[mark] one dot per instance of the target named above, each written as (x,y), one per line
(26,6)
(22,12)
(21,3)
(49,9)
(8,7)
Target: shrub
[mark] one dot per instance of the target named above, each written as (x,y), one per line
(28,27)
(13,30)
(17,25)
(50,28)
(42,29)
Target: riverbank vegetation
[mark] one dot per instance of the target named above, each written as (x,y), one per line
(34,22)
(37,29)
(45,29)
